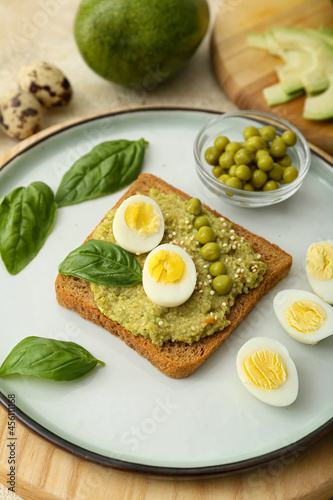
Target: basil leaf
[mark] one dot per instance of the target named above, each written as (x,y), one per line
(109,166)
(47,358)
(103,263)
(26,218)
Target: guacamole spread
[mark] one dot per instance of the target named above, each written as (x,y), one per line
(206,311)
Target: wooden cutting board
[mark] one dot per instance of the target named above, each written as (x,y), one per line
(243,71)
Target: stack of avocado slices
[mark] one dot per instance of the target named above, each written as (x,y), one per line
(308,68)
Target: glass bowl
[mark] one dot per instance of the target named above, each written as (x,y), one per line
(232,125)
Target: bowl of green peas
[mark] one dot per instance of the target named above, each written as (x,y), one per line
(251,158)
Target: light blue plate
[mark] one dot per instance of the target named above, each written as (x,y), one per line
(128,414)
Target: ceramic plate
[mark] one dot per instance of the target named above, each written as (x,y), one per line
(127,414)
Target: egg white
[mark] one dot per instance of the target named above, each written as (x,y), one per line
(286,298)
(281,396)
(130,240)
(174,294)
(324,289)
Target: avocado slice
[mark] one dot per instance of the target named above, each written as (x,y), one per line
(275,95)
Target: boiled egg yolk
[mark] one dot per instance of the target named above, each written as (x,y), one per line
(267,371)
(142,218)
(169,275)
(138,225)
(319,269)
(303,315)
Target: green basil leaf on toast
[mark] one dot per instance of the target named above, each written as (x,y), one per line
(48,358)
(27,215)
(103,263)
(108,167)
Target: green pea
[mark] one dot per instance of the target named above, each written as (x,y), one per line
(243,172)
(210,251)
(223,178)
(205,235)
(201,221)
(250,132)
(276,172)
(233,146)
(226,159)
(285,161)
(193,206)
(258,179)
(265,163)
(212,155)
(221,142)
(278,148)
(268,133)
(222,284)
(217,171)
(255,143)
(248,187)
(289,137)
(270,186)
(217,268)
(290,174)
(260,153)
(232,170)
(234,182)
(244,156)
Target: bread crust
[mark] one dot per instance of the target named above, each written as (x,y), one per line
(176,359)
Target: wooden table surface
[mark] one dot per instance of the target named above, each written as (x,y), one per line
(44,471)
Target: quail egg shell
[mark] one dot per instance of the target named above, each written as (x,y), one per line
(138,225)
(267,371)
(304,315)
(46,82)
(169,275)
(21,114)
(319,269)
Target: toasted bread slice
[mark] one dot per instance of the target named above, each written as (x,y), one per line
(176,359)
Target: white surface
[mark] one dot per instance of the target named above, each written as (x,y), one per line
(127,409)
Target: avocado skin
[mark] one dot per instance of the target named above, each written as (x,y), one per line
(139,42)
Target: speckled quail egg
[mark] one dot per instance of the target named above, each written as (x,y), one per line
(169,275)
(267,371)
(21,114)
(138,225)
(46,82)
(304,315)
(319,269)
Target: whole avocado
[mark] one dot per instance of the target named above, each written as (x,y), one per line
(139,42)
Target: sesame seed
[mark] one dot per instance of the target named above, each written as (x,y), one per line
(225,244)
(200,291)
(240,259)
(205,266)
(174,233)
(236,276)
(224,304)
(242,270)
(258,256)
(225,224)
(222,230)
(208,276)
(232,230)
(160,323)
(234,247)
(212,292)
(210,281)
(205,283)
(170,236)
(190,226)
(200,283)
(182,242)
(222,219)
(232,237)
(197,243)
